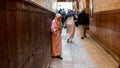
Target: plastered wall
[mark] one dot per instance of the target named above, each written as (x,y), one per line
(105,5)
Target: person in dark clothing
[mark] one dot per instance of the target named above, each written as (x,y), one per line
(83,22)
(63,13)
(59,10)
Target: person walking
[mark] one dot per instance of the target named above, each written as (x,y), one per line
(56,29)
(83,21)
(70,27)
(63,13)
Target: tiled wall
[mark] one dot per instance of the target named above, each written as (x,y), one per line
(105,25)
(25,36)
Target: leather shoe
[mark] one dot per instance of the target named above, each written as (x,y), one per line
(59,57)
(82,37)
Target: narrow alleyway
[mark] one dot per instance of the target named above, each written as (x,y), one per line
(83,53)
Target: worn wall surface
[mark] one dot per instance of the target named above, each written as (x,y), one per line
(105,5)
(49,4)
(105,25)
(25,36)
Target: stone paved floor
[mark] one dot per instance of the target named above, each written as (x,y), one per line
(83,53)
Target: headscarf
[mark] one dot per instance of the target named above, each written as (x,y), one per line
(56,24)
(57,16)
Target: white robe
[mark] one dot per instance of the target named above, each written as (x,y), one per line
(69,23)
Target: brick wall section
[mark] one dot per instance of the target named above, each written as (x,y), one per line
(25,36)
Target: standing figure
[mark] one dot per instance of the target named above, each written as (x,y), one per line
(83,21)
(56,37)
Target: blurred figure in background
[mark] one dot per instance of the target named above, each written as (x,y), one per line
(83,23)
(70,27)
(63,13)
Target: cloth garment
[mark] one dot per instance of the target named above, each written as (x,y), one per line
(81,30)
(56,36)
(69,23)
(82,23)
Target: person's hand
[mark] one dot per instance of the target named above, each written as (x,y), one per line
(54,32)
(60,31)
